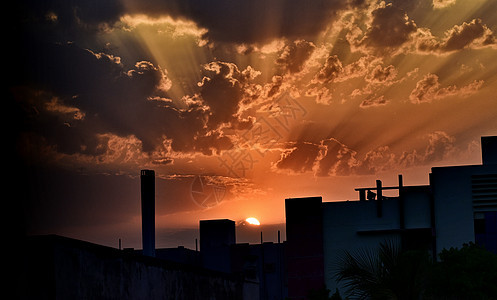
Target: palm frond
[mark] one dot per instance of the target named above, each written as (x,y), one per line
(366,272)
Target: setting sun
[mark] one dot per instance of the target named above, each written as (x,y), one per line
(252,221)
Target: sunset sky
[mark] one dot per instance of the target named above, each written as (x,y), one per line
(238,105)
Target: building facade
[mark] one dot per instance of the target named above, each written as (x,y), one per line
(458,206)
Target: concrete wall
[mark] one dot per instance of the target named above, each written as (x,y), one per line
(354,225)
(417,208)
(453,206)
(61,268)
(453,201)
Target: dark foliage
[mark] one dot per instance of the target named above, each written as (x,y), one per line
(469,272)
(466,273)
(384,273)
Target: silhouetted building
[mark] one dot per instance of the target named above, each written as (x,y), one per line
(304,250)
(458,206)
(489,150)
(56,267)
(272,270)
(179,254)
(147,178)
(216,238)
(352,225)
(263,264)
(466,201)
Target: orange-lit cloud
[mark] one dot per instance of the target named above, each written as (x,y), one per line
(473,34)
(429,89)
(332,157)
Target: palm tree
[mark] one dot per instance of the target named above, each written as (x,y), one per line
(383,273)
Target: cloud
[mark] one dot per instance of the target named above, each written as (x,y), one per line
(429,89)
(426,89)
(331,157)
(223,90)
(177,27)
(372,101)
(382,75)
(295,55)
(255,21)
(466,34)
(244,21)
(331,69)
(389,30)
(84,98)
(359,68)
(377,160)
(322,94)
(472,35)
(335,159)
(440,146)
(300,158)
(376,77)
(439,4)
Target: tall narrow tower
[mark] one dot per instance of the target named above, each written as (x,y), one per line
(148,211)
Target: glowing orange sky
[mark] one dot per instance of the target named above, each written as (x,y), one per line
(285,102)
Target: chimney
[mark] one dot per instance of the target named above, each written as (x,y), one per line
(379,200)
(148,211)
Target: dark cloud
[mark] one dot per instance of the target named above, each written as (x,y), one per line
(59,20)
(336,158)
(330,70)
(389,30)
(329,157)
(276,82)
(73,97)
(294,56)
(461,36)
(300,158)
(244,21)
(223,90)
(251,21)
(474,34)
